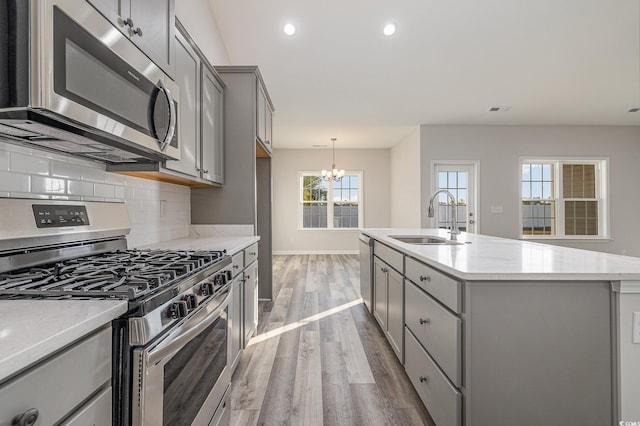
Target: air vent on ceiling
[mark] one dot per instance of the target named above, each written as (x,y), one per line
(320,146)
(634,110)
(500,109)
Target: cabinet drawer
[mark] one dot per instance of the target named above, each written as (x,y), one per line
(446,290)
(237,263)
(443,401)
(96,412)
(439,331)
(393,258)
(250,254)
(59,385)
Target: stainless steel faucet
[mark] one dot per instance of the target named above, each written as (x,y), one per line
(454,215)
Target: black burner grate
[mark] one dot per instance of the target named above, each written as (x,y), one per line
(128,274)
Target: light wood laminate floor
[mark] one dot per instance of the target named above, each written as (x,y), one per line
(319,357)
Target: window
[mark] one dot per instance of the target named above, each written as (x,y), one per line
(329,204)
(564,198)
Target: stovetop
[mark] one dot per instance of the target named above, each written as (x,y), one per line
(130,274)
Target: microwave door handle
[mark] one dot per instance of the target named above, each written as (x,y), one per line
(186,332)
(172,116)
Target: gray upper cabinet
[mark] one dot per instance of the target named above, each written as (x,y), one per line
(188,79)
(212,127)
(264,118)
(200,123)
(150,24)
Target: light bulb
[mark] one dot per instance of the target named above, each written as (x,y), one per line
(389,29)
(289,29)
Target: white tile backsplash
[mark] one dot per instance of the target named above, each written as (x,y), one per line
(47,185)
(14,182)
(27,173)
(24,163)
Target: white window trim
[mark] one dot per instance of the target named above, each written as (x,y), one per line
(360,174)
(602,194)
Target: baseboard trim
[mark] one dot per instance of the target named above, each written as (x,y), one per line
(303,252)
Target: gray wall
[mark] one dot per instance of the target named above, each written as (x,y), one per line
(405,182)
(286,163)
(498,148)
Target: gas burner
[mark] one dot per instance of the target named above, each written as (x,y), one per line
(129,274)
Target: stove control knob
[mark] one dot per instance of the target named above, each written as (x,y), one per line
(178,309)
(192,301)
(206,289)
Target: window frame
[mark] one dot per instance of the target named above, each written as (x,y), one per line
(601,196)
(330,201)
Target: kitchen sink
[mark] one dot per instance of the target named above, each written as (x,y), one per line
(424,240)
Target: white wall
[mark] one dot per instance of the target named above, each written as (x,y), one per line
(498,149)
(405,182)
(197,17)
(27,173)
(286,163)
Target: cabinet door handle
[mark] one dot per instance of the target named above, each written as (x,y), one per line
(424,379)
(385,270)
(126,22)
(137,32)
(28,418)
(425,278)
(205,171)
(425,321)
(235,266)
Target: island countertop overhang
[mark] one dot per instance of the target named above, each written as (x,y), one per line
(488,258)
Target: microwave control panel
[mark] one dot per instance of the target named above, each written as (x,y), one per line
(48,216)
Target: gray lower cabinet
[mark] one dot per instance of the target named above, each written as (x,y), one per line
(73,387)
(388,288)
(250,302)
(443,401)
(235,321)
(149,24)
(243,311)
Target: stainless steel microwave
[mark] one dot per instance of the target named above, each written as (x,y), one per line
(71,82)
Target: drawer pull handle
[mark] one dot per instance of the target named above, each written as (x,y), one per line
(425,321)
(252,253)
(28,418)
(385,270)
(424,379)
(235,266)
(425,278)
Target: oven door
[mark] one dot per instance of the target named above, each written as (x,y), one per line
(182,379)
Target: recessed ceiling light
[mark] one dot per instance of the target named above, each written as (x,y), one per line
(634,110)
(389,29)
(289,29)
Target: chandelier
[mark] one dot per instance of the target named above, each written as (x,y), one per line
(334,173)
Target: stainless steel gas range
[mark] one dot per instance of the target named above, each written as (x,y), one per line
(170,351)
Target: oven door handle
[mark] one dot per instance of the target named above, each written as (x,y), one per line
(186,332)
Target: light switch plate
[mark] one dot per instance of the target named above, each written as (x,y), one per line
(636,327)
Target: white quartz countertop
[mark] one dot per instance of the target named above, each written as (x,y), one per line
(31,330)
(232,244)
(485,258)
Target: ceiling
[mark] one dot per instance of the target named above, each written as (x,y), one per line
(568,62)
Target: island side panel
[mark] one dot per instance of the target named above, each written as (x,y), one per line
(538,353)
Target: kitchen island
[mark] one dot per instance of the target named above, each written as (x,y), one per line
(499,331)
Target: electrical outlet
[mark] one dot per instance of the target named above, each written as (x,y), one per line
(636,327)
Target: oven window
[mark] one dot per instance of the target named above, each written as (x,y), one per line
(192,373)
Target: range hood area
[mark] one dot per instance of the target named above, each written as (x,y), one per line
(43,130)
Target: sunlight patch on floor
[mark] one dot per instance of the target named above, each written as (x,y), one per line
(285,328)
